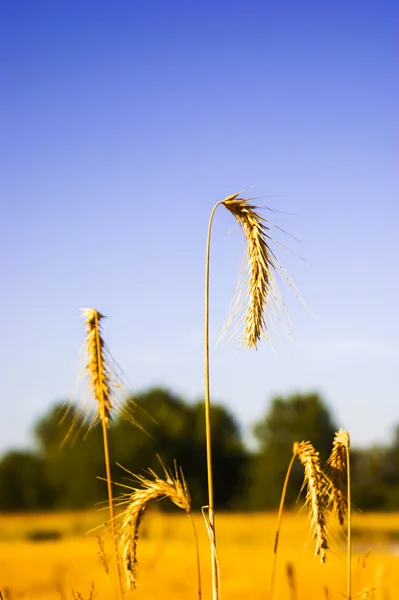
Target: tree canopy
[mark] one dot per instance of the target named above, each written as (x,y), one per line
(66,468)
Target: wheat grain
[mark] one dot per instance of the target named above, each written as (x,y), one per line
(172,487)
(315,482)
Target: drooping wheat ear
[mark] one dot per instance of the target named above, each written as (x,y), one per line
(173,487)
(338,466)
(99,379)
(315,482)
(261,293)
(339,463)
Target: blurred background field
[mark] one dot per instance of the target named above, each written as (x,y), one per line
(46,556)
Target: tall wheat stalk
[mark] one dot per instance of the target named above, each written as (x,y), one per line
(339,463)
(100,384)
(315,482)
(260,293)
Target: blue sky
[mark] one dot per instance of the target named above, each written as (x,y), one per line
(123,123)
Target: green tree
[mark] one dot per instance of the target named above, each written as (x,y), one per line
(72,458)
(174,430)
(23,483)
(168,428)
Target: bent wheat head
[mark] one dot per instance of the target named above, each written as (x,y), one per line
(172,487)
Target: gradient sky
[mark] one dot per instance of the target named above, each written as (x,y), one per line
(122,123)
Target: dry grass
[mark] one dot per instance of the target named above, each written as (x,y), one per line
(137,500)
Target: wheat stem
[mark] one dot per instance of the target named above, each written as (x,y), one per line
(349,521)
(215,583)
(197,555)
(103,404)
(279,519)
(107,461)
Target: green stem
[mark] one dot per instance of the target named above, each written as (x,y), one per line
(279,519)
(215,582)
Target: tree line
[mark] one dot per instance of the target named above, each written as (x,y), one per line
(65,469)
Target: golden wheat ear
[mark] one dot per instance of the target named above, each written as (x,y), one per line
(173,487)
(339,463)
(97,366)
(257,298)
(315,482)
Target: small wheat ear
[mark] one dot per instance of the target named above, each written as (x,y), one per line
(173,487)
(315,482)
(339,463)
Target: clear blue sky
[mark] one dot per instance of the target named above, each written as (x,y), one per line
(122,123)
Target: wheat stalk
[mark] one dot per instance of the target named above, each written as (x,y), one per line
(315,482)
(339,463)
(172,487)
(99,379)
(260,295)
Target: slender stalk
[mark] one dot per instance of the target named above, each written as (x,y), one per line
(279,519)
(198,556)
(349,522)
(215,582)
(106,458)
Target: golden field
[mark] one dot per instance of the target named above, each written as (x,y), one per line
(47,556)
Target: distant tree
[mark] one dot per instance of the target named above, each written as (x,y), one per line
(23,483)
(72,457)
(229,456)
(167,429)
(174,430)
(371,489)
(297,418)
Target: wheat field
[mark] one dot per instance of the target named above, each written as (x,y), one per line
(49,556)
